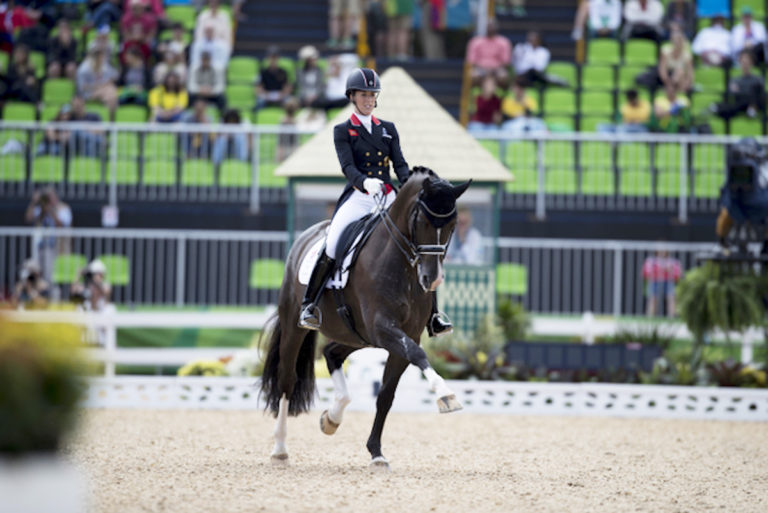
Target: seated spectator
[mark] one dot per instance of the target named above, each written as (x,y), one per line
(138,25)
(466,245)
(487,114)
(336,84)
(168,100)
(103,42)
(152,7)
(531,60)
(287,142)
(96,79)
(604,17)
(102,13)
(91,289)
(519,104)
(206,82)
(172,62)
(208,43)
(218,19)
(22,84)
(671,111)
(177,44)
(635,114)
(676,62)
(231,145)
(61,58)
(90,143)
(683,14)
(47,211)
(748,35)
(31,291)
(310,82)
(56,140)
(134,80)
(713,44)
(273,87)
(490,54)
(746,93)
(13,18)
(643,19)
(197,144)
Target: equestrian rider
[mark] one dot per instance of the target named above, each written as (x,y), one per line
(365,147)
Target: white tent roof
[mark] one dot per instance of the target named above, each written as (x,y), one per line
(429,136)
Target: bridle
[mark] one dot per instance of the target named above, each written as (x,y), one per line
(412,252)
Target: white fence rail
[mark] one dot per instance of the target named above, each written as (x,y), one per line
(195,267)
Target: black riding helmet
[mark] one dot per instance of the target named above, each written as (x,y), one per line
(363,79)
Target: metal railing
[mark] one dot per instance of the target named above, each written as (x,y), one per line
(194,267)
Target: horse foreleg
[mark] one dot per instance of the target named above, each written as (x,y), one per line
(335,354)
(392,372)
(279,453)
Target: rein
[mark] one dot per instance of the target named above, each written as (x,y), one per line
(411,251)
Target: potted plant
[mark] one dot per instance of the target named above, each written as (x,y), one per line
(41,373)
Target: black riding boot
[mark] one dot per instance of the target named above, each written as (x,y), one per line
(309,318)
(436,326)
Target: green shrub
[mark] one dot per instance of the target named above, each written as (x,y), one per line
(514,320)
(203,368)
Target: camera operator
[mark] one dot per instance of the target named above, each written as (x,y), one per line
(92,289)
(47,211)
(31,289)
(744,197)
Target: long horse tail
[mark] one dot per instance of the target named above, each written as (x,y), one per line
(304,389)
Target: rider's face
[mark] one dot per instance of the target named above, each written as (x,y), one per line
(364,102)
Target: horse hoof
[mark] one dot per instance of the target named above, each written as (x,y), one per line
(379,464)
(448,403)
(280,459)
(327,426)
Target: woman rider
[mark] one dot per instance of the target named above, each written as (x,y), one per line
(365,147)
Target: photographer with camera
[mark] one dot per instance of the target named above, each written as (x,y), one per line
(744,197)
(47,211)
(92,290)
(31,289)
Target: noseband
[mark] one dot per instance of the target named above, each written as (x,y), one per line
(413,252)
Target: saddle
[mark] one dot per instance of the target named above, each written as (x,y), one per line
(352,241)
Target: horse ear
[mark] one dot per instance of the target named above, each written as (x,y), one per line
(458,190)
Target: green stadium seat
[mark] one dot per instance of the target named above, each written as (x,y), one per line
(66,268)
(127,144)
(634,156)
(668,184)
(332,113)
(603,51)
(701,102)
(58,91)
(131,114)
(48,168)
(590,123)
(598,182)
(640,52)
(4,58)
(242,70)
(596,154)
(635,183)
(597,77)
(184,14)
(197,172)
(159,172)
(717,125)
(559,155)
(708,184)
(270,116)
(19,111)
(708,157)
(757,6)
(118,269)
(37,60)
(240,96)
(127,172)
(100,109)
(158,145)
(268,148)
(520,156)
(559,101)
(627,76)
(49,112)
(526,181)
(564,70)
(710,79)
(113,37)
(492,146)
(85,170)
(511,279)
(746,126)
(560,124)
(13,168)
(267,176)
(560,181)
(267,273)
(668,156)
(595,102)
(235,173)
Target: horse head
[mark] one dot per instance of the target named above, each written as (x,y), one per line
(429,203)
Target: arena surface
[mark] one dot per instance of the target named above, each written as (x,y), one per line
(209,461)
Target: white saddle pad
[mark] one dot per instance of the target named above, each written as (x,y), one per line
(339,279)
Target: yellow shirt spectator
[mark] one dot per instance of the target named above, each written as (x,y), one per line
(159,97)
(640,113)
(512,108)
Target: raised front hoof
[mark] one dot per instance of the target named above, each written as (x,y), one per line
(448,404)
(379,465)
(279,460)
(327,426)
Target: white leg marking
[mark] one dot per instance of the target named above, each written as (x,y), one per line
(436,383)
(281,430)
(336,412)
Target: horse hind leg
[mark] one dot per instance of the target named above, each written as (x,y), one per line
(335,354)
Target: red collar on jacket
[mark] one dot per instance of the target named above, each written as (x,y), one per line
(356,122)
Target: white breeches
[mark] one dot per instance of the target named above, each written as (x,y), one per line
(353,209)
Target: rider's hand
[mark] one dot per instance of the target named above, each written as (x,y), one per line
(372,185)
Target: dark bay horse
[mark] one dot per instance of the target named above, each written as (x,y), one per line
(389,293)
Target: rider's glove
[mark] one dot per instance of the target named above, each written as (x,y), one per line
(372,185)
